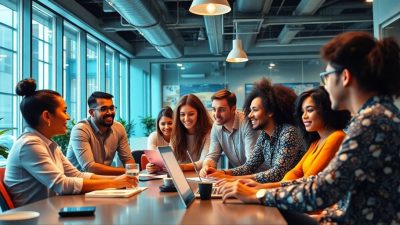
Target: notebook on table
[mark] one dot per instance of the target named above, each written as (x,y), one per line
(114,193)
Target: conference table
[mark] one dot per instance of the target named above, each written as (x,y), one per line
(154,207)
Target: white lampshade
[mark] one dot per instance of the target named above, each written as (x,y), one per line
(237,54)
(209,7)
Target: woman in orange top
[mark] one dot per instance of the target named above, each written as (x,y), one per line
(322,128)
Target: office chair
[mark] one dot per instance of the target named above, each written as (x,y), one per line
(5,199)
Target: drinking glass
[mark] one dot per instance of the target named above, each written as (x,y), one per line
(132,169)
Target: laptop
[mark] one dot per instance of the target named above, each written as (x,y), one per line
(184,190)
(114,193)
(214,192)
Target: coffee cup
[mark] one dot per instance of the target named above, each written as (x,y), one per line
(168,182)
(205,190)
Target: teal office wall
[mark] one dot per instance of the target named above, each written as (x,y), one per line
(138,94)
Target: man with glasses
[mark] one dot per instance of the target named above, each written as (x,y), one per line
(95,140)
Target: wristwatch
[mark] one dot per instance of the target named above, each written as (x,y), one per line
(261,196)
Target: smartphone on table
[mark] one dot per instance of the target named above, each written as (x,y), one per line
(77,211)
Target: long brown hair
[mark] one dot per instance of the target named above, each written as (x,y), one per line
(203,127)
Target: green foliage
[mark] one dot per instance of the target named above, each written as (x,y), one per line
(4,149)
(148,123)
(63,140)
(129,126)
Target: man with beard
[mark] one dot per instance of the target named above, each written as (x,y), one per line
(95,140)
(231,133)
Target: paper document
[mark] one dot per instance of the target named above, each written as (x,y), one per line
(114,193)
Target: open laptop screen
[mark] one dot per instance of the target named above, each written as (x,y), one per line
(181,184)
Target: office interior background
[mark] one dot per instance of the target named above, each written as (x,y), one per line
(148,53)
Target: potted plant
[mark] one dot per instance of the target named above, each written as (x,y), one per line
(63,140)
(129,126)
(148,123)
(4,149)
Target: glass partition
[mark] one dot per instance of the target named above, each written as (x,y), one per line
(9,111)
(92,65)
(42,47)
(70,69)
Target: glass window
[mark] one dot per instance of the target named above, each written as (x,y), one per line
(92,65)
(42,48)
(123,84)
(9,110)
(70,69)
(110,71)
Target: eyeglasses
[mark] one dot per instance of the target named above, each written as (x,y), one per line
(105,109)
(325,74)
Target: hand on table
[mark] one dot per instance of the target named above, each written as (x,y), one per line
(124,181)
(238,190)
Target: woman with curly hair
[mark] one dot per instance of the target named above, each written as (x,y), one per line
(280,146)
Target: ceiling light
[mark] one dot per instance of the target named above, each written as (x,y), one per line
(179,64)
(210,7)
(182,68)
(237,54)
(272,64)
(369,0)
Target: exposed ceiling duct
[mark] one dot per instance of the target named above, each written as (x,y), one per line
(305,7)
(143,15)
(248,29)
(214,33)
(248,33)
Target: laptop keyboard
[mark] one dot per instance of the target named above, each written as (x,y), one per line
(215,191)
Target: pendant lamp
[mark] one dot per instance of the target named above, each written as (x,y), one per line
(209,7)
(237,54)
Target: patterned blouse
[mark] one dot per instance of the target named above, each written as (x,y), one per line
(277,154)
(363,177)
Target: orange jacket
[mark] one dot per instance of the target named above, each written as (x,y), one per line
(316,157)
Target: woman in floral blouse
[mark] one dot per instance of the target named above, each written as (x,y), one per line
(361,184)
(280,146)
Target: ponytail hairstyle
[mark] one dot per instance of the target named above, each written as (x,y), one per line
(35,102)
(375,64)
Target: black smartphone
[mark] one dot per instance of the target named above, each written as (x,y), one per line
(77,211)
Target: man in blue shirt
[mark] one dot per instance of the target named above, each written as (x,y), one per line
(231,133)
